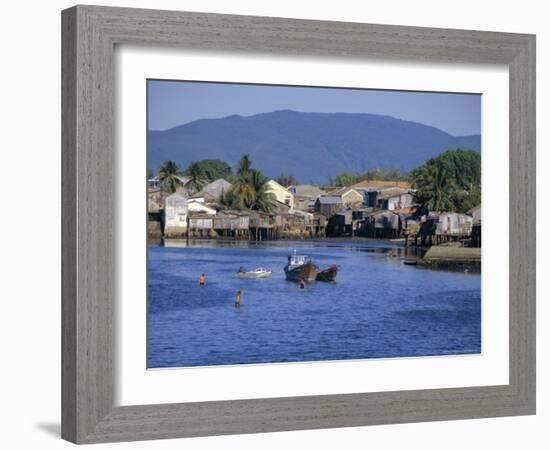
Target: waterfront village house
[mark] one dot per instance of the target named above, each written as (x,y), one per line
(155,205)
(444,227)
(280,208)
(282,194)
(305,196)
(388,197)
(351,198)
(476,225)
(200,224)
(195,206)
(393,199)
(300,224)
(381,224)
(175,215)
(340,224)
(451,223)
(234,224)
(328,205)
(213,191)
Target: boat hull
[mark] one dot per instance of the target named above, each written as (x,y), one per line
(254,275)
(328,275)
(304,272)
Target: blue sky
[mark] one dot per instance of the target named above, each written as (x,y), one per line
(173,103)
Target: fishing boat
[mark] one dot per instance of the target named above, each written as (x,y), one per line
(410,262)
(328,275)
(259,272)
(300,268)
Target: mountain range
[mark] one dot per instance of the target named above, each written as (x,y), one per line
(311,146)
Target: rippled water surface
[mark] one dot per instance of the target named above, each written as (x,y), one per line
(379,307)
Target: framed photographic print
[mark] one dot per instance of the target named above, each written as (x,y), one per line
(276,224)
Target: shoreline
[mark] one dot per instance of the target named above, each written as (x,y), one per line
(445,258)
(340,239)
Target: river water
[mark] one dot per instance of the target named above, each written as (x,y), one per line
(378,308)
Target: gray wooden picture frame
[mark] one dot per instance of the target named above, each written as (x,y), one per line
(89,36)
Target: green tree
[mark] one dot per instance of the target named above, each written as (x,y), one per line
(170,176)
(197,177)
(212,169)
(344,179)
(383,175)
(463,166)
(449,182)
(231,201)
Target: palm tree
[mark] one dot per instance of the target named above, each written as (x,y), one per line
(244,190)
(170,176)
(435,188)
(264,200)
(244,165)
(197,178)
(250,187)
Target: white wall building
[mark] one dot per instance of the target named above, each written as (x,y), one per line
(175,215)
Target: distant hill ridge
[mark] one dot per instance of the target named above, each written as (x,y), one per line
(311,146)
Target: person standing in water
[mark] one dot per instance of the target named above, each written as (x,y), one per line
(238,299)
(302,285)
(202,280)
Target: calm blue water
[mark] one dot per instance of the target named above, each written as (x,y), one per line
(379,307)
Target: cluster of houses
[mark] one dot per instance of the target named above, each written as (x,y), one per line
(372,208)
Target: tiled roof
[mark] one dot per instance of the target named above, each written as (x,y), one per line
(366,184)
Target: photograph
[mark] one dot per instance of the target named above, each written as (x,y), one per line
(299,224)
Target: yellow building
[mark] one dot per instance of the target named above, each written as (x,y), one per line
(282,194)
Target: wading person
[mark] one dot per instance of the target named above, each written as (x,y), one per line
(302,285)
(238,299)
(202,280)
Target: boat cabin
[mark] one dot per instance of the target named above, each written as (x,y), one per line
(297,260)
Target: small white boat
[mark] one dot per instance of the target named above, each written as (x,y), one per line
(259,272)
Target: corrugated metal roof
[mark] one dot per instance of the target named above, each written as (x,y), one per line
(330,200)
(306,190)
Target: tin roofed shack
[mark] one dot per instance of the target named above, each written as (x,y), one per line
(382,224)
(232,224)
(305,196)
(476,225)
(329,205)
(437,228)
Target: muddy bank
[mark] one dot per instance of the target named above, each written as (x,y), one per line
(452,258)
